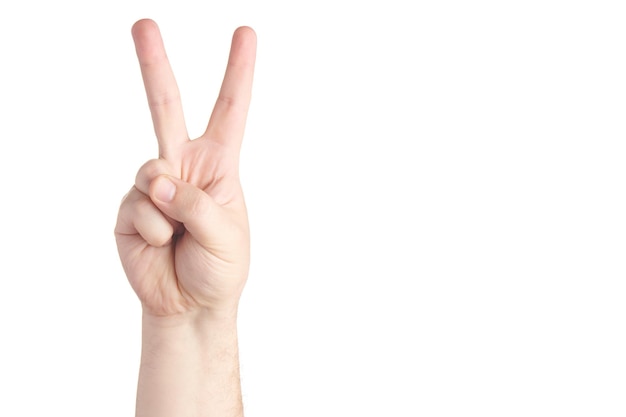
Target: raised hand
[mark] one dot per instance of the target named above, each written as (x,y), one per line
(182,230)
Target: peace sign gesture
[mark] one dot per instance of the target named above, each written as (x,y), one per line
(182,230)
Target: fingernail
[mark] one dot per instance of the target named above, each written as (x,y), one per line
(164,190)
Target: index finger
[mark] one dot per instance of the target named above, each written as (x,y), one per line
(161,88)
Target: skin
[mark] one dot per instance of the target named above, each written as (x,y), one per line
(183,239)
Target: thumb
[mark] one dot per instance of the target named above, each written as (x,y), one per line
(195,209)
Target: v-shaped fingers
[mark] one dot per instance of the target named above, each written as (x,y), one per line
(161,88)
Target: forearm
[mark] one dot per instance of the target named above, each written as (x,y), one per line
(189,367)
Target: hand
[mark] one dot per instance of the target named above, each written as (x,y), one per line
(182,230)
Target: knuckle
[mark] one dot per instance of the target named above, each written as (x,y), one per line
(131,196)
(163,99)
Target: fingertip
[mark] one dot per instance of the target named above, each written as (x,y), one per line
(246,29)
(243,47)
(148,41)
(147,37)
(143,25)
(245,34)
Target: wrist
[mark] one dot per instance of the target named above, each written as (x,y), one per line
(195,332)
(199,335)
(197,318)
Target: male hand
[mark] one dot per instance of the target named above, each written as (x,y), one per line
(182,230)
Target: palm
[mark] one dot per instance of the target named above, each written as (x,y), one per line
(185,270)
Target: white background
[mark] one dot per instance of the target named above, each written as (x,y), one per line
(435,189)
